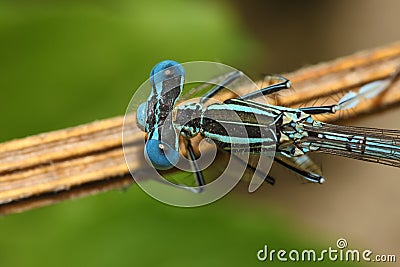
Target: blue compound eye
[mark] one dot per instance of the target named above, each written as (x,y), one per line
(141,116)
(161,155)
(165,70)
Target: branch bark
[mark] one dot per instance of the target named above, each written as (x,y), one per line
(51,167)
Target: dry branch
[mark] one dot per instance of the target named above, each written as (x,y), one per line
(50,167)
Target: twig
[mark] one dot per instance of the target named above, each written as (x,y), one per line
(50,167)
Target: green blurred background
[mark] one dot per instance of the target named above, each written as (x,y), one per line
(64,63)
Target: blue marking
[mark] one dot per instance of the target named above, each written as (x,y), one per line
(238,140)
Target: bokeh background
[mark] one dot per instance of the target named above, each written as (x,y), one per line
(64,63)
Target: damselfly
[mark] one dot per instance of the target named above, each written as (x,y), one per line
(242,125)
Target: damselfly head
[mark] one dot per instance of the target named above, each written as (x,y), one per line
(161,155)
(165,70)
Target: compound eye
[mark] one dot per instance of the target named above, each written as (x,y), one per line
(164,70)
(161,155)
(141,116)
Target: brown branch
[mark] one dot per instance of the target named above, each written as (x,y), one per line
(50,167)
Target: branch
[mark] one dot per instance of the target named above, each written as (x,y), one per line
(51,167)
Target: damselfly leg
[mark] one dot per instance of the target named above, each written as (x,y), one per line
(231,77)
(281,84)
(198,175)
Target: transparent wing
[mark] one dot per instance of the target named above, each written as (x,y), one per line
(367,144)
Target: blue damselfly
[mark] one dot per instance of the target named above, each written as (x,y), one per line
(242,125)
